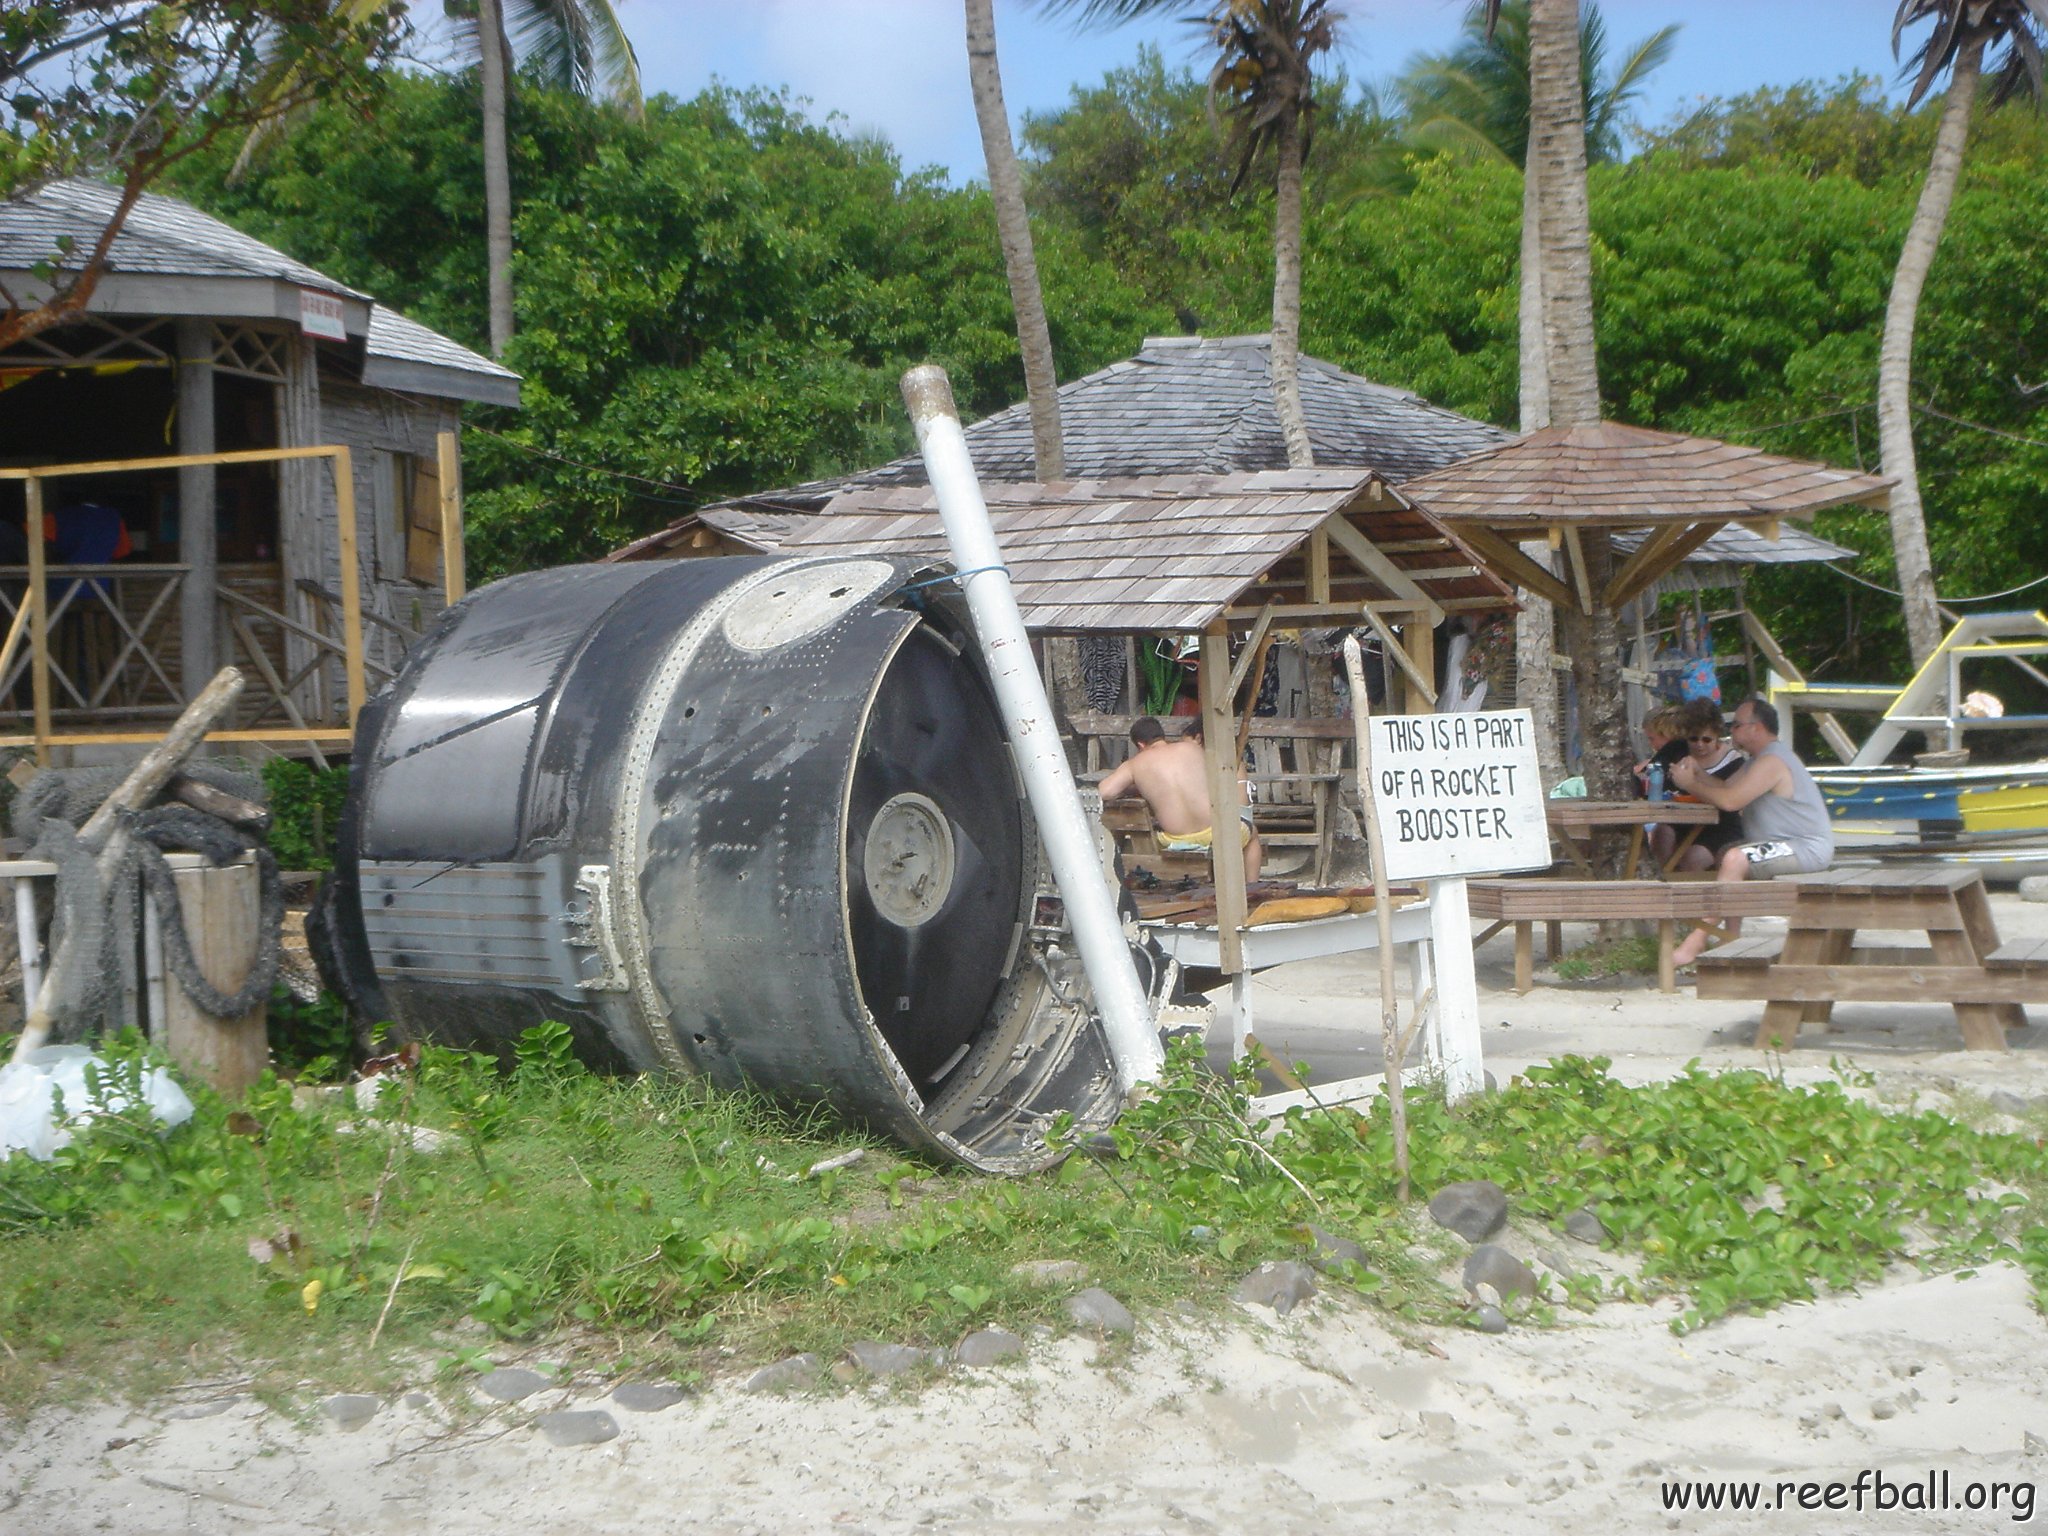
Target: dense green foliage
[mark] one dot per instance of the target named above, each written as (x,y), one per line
(721,301)
(718,301)
(305,810)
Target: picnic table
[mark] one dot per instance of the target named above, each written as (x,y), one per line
(1576,823)
(1819,963)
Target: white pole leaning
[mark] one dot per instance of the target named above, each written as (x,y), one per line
(1034,737)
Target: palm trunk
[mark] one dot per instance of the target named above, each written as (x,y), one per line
(1535,360)
(1557,145)
(1536,624)
(1287,296)
(1013,229)
(1564,237)
(1915,563)
(496,79)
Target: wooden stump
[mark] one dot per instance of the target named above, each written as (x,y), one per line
(221,909)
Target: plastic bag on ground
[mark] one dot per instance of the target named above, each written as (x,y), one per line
(29,1089)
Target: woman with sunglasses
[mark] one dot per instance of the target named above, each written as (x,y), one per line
(1699,722)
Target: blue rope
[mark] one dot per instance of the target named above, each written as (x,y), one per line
(953,576)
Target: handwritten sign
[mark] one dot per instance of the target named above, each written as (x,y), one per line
(1458,794)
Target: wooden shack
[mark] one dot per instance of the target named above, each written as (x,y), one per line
(236,459)
(1231,559)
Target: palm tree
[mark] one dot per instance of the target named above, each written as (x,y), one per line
(1475,98)
(575,45)
(1013,229)
(1262,85)
(1965,32)
(1563,271)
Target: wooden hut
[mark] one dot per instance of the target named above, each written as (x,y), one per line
(1226,558)
(275,449)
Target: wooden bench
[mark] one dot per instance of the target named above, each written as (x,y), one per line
(1818,963)
(1524,903)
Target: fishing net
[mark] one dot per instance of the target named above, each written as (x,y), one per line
(99,909)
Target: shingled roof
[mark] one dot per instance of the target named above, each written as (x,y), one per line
(168,258)
(1204,405)
(1611,475)
(1170,553)
(1183,405)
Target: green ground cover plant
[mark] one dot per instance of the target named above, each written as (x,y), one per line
(669,1229)
(1635,955)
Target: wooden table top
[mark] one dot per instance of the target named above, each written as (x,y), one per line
(1581,814)
(1889,879)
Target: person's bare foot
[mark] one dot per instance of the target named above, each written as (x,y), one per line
(1689,951)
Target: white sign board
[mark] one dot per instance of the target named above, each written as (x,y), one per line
(1458,794)
(320,315)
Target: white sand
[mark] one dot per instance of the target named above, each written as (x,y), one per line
(1327,1421)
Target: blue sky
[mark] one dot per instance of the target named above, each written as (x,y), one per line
(899,67)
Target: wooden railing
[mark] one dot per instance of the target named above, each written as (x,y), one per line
(87,638)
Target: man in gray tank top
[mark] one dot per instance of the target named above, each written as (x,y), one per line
(1785,822)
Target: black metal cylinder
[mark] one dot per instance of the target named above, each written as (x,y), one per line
(752,818)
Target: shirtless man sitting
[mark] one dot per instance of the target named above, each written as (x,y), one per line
(1173,777)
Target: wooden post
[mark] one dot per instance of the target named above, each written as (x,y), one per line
(454,576)
(1319,566)
(1226,853)
(221,910)
(351,583)
(1390,1022)
(1419,641)
(198,657)
(39,624)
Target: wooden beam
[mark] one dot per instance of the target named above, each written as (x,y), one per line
(1421,652)
(454,574)
(1226,854)
(1651,550)
(1391,643)
(351,583)
(1319,567)
(1575,554)
(1683,545)
(16,628)
(148,738)
(1260,626)
(1368,557)
(39,628)
(1329,613)
(174,461)
(1509,561)
(1831,728)
(1256,655)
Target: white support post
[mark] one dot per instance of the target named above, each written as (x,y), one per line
(1070,844)
(1454,1022)
(29,940)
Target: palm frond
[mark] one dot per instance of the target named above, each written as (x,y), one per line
(2018,24)
(1653,52)
(1459,139)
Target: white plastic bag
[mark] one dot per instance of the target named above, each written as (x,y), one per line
(29,1089)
